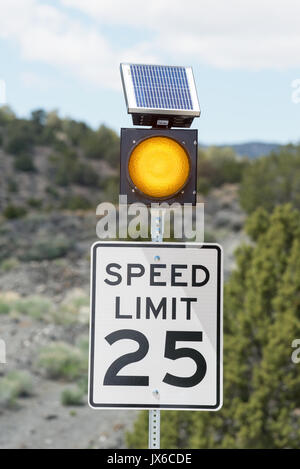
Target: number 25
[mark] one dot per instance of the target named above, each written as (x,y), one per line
(113,379)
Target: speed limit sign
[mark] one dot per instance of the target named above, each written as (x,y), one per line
(156,326)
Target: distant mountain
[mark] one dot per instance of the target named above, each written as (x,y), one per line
(251,149)
(254,149)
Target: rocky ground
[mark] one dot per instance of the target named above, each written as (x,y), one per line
(44,278)
(40,420)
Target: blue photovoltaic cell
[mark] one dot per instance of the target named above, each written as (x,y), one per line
(161,87)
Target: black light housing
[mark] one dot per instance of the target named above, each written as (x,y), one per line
(186,141)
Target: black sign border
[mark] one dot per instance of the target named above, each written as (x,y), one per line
(94,405)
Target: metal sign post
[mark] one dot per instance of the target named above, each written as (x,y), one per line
(154,429)
(157,235)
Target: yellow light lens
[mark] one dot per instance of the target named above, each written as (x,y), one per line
(159,167)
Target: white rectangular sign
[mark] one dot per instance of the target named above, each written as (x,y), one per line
(156,326)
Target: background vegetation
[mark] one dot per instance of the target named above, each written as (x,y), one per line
(70,165)
(261,318)
(81,167)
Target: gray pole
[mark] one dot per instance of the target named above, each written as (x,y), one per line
(157,234)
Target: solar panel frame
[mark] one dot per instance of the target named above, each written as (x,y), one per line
(143,102)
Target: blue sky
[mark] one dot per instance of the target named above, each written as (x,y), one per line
(65,55)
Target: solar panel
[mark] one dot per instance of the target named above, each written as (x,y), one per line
(160,89)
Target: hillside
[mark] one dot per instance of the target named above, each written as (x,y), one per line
(250,149)
(254,149)
(48,163)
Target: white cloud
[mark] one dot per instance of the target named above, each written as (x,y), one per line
(242,34)
(46,34)
(252,34)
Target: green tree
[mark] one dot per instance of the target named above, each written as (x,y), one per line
(103,144)
(67,169)
(14,211)
(19,136)
(217,166)
(25,163)
(62,166)
(38,118)
(272,180)
(6,115)
(38,121)
(111,189)
(52,126)
(76,202)
(261,319)
(75,131)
